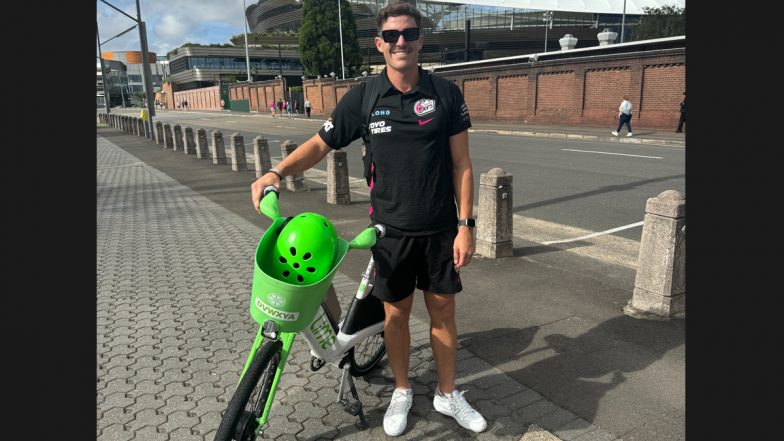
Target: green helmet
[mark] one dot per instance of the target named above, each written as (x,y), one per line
(304,250)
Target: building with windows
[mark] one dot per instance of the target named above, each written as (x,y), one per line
(124,75)
(193,67)
(493,31)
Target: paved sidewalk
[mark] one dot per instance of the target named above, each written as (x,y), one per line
(173,332)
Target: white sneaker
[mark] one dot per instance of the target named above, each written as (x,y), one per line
(457,407)
(614,133)
(396,417)
(629,134)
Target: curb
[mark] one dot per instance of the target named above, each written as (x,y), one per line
(581,137)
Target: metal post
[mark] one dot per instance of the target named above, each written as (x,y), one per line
(340,28)
(146,66)
(103,71)
(247,57)
(623,20)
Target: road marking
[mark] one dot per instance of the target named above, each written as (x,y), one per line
(610,153)
(588,236)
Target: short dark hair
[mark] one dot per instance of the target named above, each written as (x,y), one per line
(396,10)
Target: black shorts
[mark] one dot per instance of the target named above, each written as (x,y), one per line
(424,262)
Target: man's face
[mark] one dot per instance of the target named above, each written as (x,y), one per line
(400,55)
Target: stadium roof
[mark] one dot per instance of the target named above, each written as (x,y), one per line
(633,7)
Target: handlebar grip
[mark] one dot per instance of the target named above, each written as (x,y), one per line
(380,231)
(270,188)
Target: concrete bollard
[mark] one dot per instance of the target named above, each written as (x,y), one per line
(261,156)
(139,127)
(295,182)
(660,283)
(190,144)
(159,131)
(337,178)
(168,138)
(178,144)
(122,123)
(494,220)
(217,150)
(202,151)
(238,162)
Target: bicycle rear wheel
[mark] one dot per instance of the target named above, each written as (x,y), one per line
(366,354)
(246,406)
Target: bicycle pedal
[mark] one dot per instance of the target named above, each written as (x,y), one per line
(352,407)
(316,363)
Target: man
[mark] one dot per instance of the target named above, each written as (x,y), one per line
(683,115)
(422,191)
(280,107)
(307,107)
(624,117)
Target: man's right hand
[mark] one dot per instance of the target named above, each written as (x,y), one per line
(259,185)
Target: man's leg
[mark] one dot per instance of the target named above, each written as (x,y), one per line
(397,339)
(443,337)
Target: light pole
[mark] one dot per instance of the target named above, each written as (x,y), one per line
(623,20)
(548,23)
(247,57)
(340,29)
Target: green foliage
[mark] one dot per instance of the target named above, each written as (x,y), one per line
(319,38)
(667,21)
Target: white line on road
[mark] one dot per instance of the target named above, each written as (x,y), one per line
(600,233)
(610,153)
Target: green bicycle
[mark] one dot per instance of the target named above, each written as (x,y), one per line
(295,262)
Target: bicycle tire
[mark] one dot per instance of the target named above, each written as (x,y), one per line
(366,355)
(250,397)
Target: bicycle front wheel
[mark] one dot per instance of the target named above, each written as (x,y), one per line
(240,423)
(366,354)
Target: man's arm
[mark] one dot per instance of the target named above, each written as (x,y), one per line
(304,157)
(463,181)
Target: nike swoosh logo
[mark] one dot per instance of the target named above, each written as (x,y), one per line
(422,123)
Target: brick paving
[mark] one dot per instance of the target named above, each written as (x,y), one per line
(174,272)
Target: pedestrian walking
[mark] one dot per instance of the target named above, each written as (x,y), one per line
(307,107)
(424,198)
(288,108)
(280,107)
(296,107)
(272,108)
(624,117)
(682,119)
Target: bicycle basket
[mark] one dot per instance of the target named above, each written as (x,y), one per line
(290,305)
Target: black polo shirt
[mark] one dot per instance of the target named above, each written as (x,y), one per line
(409,132)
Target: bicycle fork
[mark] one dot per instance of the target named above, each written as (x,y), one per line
(288,340)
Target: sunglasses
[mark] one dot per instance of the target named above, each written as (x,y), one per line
(392,35)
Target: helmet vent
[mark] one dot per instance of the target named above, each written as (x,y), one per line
(282,259)
(286,273)
(293,251)
(299,278)
(311,269)
(307,256)
(296,265)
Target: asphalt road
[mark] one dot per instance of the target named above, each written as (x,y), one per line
(589,185)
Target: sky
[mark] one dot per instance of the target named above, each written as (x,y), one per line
(170,23)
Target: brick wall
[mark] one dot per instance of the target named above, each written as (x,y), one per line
(573,91)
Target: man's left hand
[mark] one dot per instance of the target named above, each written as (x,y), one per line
(463,248)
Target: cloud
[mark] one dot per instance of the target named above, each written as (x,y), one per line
(170,23)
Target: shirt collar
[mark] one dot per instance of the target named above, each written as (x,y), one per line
(424,86)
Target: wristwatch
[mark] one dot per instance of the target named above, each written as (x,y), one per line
(468,222)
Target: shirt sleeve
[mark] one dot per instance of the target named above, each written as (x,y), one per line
(459,119)
(345,125)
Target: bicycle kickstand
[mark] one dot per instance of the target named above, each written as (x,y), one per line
(354,407)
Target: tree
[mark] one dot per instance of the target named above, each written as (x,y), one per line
(319,38)
(667,21)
